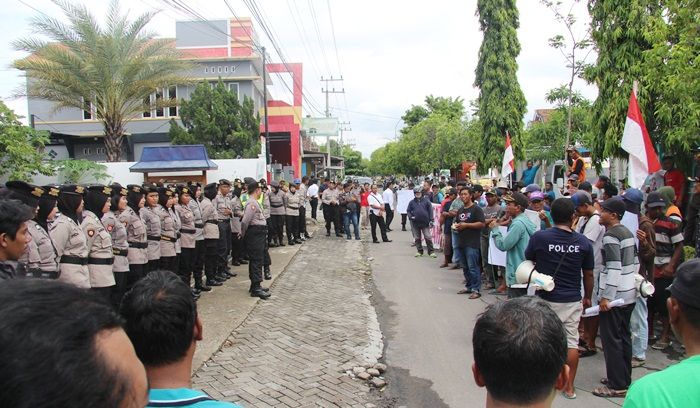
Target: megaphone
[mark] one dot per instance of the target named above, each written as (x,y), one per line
(526,273)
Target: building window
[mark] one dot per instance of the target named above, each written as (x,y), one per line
(219,69)
(172,95)
(147,106)
(233,87)
(226,69)
(88,110)
(159,104)
(206,70)
(233,68)
(100,150)
(87,151)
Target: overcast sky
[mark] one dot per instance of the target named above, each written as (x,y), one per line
(391,54)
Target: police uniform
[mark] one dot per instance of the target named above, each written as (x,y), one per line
(254,230)
(153,231)
(277,214)
(70,243)
(236,240)
(99,243)
(187,237)
(136,236)
(29,195)
(211,236)
(199,250)
(330,210)
(168,236)
(293,201)
(222,204)
(120,245)
(302,189)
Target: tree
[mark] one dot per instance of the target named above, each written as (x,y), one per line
(21,148)
(78,171)
(108,70)
(214,117)
(451,108)
(501,103)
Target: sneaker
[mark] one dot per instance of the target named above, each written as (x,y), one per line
(418,254)
(432,255)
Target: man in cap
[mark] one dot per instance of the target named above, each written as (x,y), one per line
(530,188)
(303,188)
(420,212)
(492,211)
(677,385)
(669,252)
(616,282)
(222,204)
(29,195)
(13,237)
(571,185)
(211,235)
(520,229)
(254,232)
(330,209)
(537,205)
(277,215)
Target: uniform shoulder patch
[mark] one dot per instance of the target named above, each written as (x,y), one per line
(37,226)
(110,227)
(91,233)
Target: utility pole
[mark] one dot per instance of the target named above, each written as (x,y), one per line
(268,158)
(328,91)
(343,127)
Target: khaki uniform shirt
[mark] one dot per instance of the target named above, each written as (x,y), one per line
(41,241)
(221,203)
(277,203)
(120,246)
(30,257)
(167,232)
(237,209)
(69,240)
(293,202)
(152,222)
(330,196)
(178,226)
(252,215)
(266,203)
(99,244)
(211,227)
(302,191)
(187,229)
(198,222)
(135,233)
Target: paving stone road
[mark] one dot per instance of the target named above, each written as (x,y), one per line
(294,349)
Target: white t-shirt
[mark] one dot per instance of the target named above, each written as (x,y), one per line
(594,232)
(375,199)
(388,198)
(312,191)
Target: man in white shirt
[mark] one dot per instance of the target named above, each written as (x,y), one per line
(312,193)
(389,206)
(376,215)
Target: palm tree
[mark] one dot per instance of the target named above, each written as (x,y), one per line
(113,68)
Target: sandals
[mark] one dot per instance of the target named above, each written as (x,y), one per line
(568,396)
(585,351)
(606,392)
(662,345)
(475,295)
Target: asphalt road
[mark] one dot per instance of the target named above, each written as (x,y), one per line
(428,328)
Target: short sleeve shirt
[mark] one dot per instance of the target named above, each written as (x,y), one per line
(470,237)
(184,397)
(675,387)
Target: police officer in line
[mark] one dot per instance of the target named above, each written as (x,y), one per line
(136,236)
(46,213)
(222,204)
(187,237)
(236,240)
(120,245)
(330,209)
(302,190)
(254,231)
(178,226)
(68,238)
(199,250)
(211,235)
(99,242)
(153,227)
(277,214)
(168,236)
(293,201)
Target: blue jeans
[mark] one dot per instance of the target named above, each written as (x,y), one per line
(349,217)
(455,255)
(639,327)
(471,267)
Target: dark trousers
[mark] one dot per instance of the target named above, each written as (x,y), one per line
(374,220)
(617,345)
(314,206)
(292,227)
(152,265)
(255,238)
(302,221)
(186,265)
(236,247)
(168,263)
(198,263)
(121,280)
(330,213)
(277,223)
(270,229)
(224,247)
(389,215)
(403,221)
(211,258)
(136,272)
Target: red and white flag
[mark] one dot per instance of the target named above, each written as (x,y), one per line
(636,141)
(508,159)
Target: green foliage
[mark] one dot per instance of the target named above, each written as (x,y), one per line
(451,108)
(21,148)
(501,103)
(73,171)
(114,67)
(355,165)
(214,117)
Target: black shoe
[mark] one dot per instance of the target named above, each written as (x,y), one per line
(298,241)
(386,240)
(403,228)
(290,243)
(230,274)
(222,277)
(260,293)
(389,229)
(203,288)
(375,241)
(328,233)
(268,275)
(236,263)
(243,262)
(213,282)
(339,235)
(281,243)
(272,245)
(196,291)
(307,236)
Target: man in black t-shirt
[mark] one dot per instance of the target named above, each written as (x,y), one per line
(468,224)
(563,253)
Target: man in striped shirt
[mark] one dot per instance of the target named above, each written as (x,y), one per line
(669,248)
(616,282)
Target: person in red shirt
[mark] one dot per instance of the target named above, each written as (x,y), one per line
(674,178)
(364,206)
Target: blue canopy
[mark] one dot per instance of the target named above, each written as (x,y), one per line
(174,158)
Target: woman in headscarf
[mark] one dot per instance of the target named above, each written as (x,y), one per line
(137,255)
(168,236)
(68,238)
(120,247)
(672,211)
(99,241)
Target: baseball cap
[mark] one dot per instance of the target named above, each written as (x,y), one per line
(517,198)
(491,192)
(633,195)
(581,198)
(536,196)
(686,286)
(585,186)
(655,199)
(530,188)
(452,191)
(274,184)
(573,177)
(477,188)
(614,205)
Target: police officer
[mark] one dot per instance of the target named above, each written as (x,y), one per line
(168,236)
(29,195)
(68,238)
(293,201)
(211,234)
(178,225)
(254,230)
(236,240)
(120,245)
(222,204)
(187,237)
(99,242)
(277,214)
(136,236)
(330,209)
(302,190)
(46,213)
(199,250)
(153,227)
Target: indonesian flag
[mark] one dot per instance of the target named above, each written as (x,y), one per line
(508,159)
(635,141)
